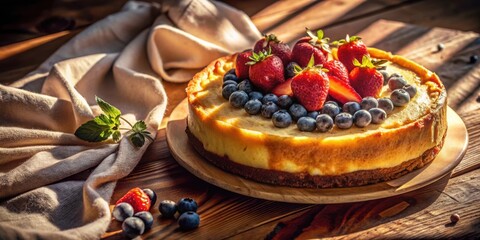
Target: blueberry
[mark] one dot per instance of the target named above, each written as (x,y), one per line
(253,107)
(378,115)
(122,211)
(297,111)
(313,114)
(231,71)
(396,82)
(133,227)
(245,86)
(351,107)
(187,204)
(400,97)
(228,90)
(146,217)
(188,220)
(306,124)
(167,208)
(270,97)
(324,122)
(290,69)
(268,109)
(473,59)
(331,110)
(369,102)
(284,101)
(238,99)
(395,75)
(229,82)
(331,102)
(412,90)
(255,95)
(151,194)
(344,120)
(281,119)
(385,104)
(230,76)
(362,118)
(385,76)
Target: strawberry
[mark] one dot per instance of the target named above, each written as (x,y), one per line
(349,49)
(266,70)
(337,69)
(342,91)
(365,78)
(317,40)
(310,86)
(279,49)
(284,88)
(302,51)
(137,198)
(241,67)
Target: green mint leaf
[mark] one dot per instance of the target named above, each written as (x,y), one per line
(139,126)
(108,109)
(137,139)
(116,136)
(91,131)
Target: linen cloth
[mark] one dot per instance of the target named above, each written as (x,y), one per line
(123,59)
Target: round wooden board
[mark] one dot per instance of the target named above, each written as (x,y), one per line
(451,154)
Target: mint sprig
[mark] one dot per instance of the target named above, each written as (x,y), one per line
(108,124)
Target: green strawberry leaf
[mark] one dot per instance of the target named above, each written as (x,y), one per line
(137,139)
(108,109)
(320,34)
(311,62)
(91,131)
(139,126)
(116,136)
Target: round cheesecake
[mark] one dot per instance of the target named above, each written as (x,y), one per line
(251,146)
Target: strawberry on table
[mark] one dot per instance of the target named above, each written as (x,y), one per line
(266,70)
(337,69)
(349,49)
(278,48)
(310,86)
(365,78)
(241,67)
(313,44)
(137,198)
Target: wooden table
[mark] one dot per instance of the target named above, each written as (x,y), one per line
(423,213)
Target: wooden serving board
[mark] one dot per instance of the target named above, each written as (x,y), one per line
(451,154)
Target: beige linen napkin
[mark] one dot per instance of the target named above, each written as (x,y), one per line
(121,59)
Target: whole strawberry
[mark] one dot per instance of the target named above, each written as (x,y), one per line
(310,86)
(241,67)
(365,78)
(349,49)
(278,48)
(337,69)
(266,70)
(318,40)
(306,46)
(137,198)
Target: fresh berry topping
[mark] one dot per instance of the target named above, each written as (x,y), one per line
(412,90)
(310,86)
(284,88)
(284,101)
(342,91)
(297,111)
(133,227)
(351,107)
(385,104)
(147,219)
(268,109)
(337,69)
(122,211)
(400,97)
(167,208)
(152,195)
(278,48)
(188,221)
(332,102)
(266,70)
(324,123)
(238,99)
(331,110)
(303,50)
(228,90)
(313,114)
(369,102)
(344,120)
(365,79)
(317,40)
(137,199)
(306,124)
(253,106)
(231,71)
(350,49)
(269,97)
(290,69)
(245,86)
(281,119)
(231,77)
(255,95)
(187,204)
(229,82)
(385,76)
(241,67)
(378,115)
(362,118)
(396,82)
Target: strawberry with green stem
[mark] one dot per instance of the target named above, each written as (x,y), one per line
(349,49)
(241,67)
(278,48)
(266,70)
(313,44)
(365,78)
